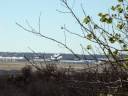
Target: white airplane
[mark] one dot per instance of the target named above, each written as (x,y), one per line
(56,57)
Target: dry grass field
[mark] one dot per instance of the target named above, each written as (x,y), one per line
(53,82)
(20,65)
(11,66)
(7,66)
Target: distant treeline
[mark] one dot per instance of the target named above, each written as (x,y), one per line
(48,55)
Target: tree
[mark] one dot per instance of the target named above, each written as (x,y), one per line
(112,43)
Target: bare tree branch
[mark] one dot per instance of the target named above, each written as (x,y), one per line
(43,36)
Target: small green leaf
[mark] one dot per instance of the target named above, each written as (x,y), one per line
(127,8)
(86,20)
(109,20)
(117,36)
(124,45)
(115,52)
(89,47)
(120,0)
(112,39)
(113,8)
(102,19)
(100,14)
(95,26)
(120,25)
(105,18)
(119,8)
(89,36)
(126,16)
(120,41)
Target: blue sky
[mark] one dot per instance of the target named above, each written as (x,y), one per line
(14,39)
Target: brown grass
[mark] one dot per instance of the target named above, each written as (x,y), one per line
(62,80)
